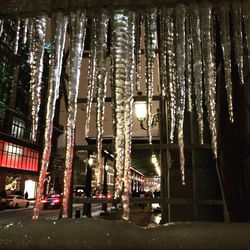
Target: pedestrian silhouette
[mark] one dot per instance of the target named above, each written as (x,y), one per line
(26,195)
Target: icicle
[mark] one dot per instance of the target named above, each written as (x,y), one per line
(128,115)
(119,54)
(171,66)
(78,31)
(138,52)
(246,19)
(197,66)
(60,22)
(25,30)
(238,39)
(209,71)
(188,64)
(1,27)
(91,75)
(163,56)
(101,36)
(17,35)
(226,48)
(150,47)
(37,71)
(180,65)
(30,41)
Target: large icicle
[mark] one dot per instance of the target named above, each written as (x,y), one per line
(238,37)
(150,47)
(91,75)
(60,21)
(163,55)
(25,29)
(101,51)
(226,48)
(128,115)
(77,38)
(1,27)
(30,41)
(138,51)
(246,19)
(188,64)
(181,91)
(37,70)
(171,66)
(197,66)
(119,54)
(17,35)
(209,70)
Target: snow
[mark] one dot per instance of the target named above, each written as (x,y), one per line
(101,233)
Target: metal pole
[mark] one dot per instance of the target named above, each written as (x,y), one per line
(105,187)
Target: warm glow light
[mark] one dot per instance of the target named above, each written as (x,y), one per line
(140,110)
(154,159)
(91,161)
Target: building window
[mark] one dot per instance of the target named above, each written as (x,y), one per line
(18,157)
(18,127)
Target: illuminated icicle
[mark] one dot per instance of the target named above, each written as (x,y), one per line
(60,22)
(138,51)
(30,41)
(163,56)
(37,70)
(246,19)
(226,48)
(1,27)
(17,35)
(209,70)
(181,91)
(101,51)
(171,66)
(77,37)
(238,39)
(128,115)
(197,66)
(119,54)
(91,75)
(150,47)
(188,64)
(25,30)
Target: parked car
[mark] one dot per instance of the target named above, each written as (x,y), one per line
(3,203)
(16,201)
(52,201)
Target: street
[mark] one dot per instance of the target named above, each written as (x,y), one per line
(9,216)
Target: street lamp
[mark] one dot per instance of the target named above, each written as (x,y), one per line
(141,113)
(91,160)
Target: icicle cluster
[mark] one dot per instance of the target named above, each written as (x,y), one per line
(77,38)
(17,35)
(60,25)
(36,66)
(1,26)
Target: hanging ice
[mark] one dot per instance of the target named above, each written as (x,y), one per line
(226,48)
(197,66)
(180,65)
(25,30)
(30,41)
(119,55)
(246,20)
(37,70)
(91,75)
(238,38)
(150,47)
(101,81)
(138,51)
(163,55)
(1,27)
(128,114)
(171,66)
(17,35)
(188,64)
(77,38)
(60,23)
(209,70)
